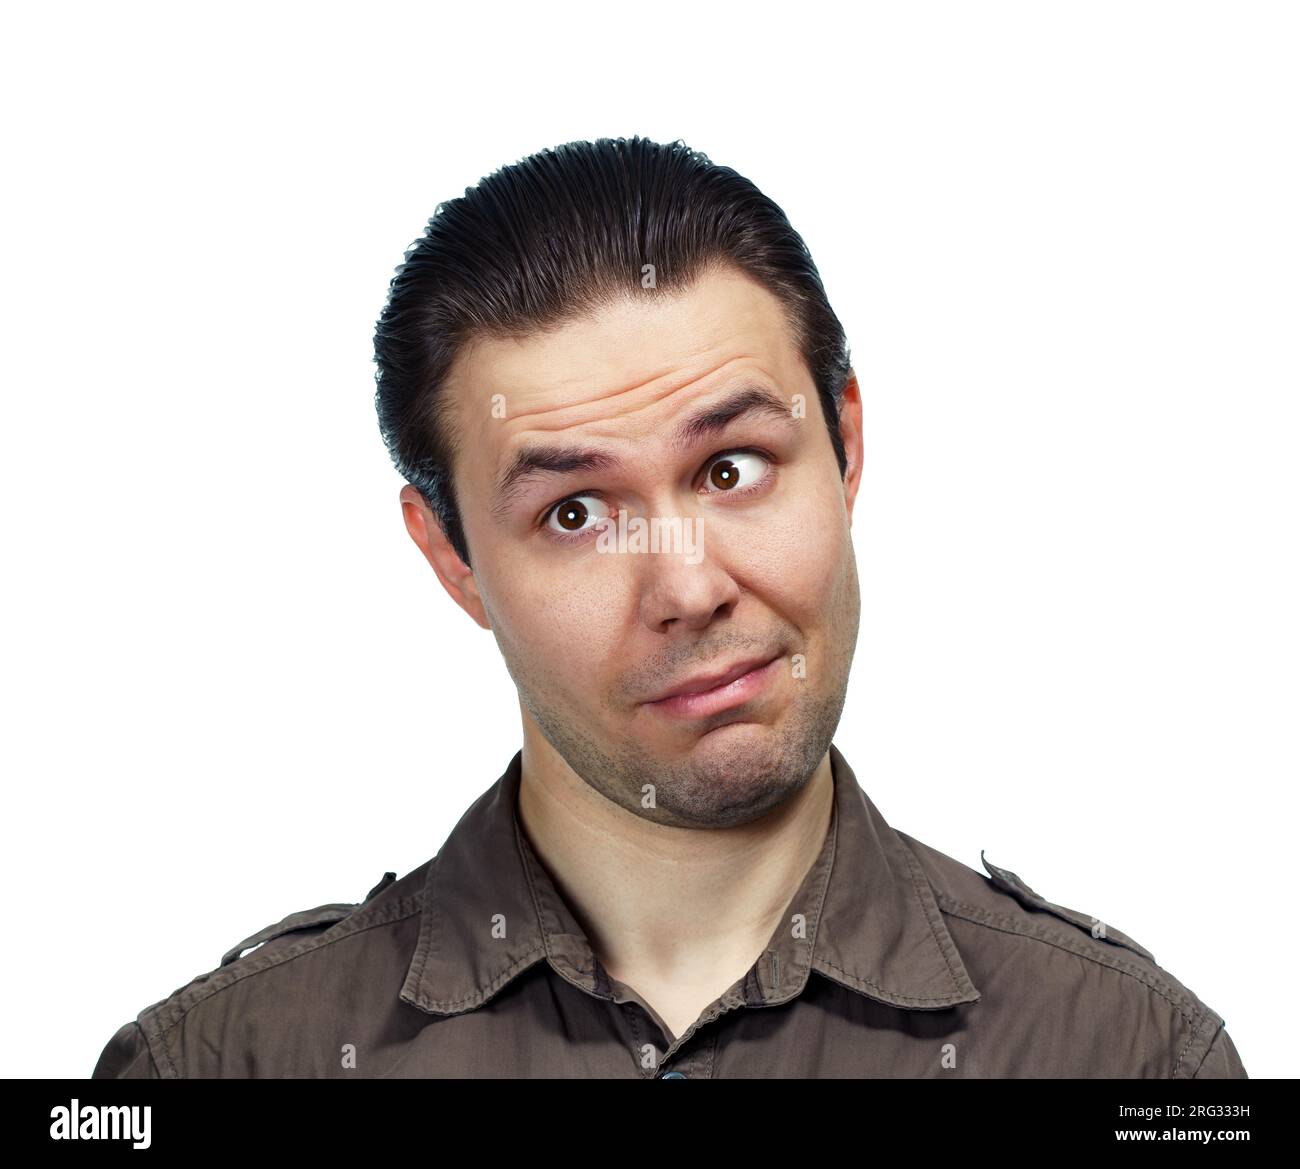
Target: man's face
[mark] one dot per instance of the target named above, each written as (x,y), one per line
(593,630)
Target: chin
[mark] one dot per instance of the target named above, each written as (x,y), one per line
(734,774)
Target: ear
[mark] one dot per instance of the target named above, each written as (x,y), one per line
(851,434)
(454,574)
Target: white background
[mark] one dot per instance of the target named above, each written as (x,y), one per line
(1063,240)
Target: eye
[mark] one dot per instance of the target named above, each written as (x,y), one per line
(735,471)
(573,518)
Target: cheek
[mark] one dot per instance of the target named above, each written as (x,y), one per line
(795,558)
(556,631)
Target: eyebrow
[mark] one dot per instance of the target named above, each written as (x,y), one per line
(531,463)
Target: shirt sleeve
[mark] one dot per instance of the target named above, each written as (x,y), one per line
(126,1057)
(1221,1062)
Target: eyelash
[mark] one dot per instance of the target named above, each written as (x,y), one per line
(587,533)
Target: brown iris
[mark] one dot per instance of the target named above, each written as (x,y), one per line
(572,515)
(724,473)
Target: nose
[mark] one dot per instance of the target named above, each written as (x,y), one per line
(681,592)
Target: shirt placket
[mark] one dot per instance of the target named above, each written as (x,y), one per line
(691,1055)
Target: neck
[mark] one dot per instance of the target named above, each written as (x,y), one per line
(664,904)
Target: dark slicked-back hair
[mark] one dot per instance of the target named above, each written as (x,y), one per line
(554,237)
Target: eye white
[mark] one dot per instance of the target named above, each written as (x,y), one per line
(594,514)
(748,473)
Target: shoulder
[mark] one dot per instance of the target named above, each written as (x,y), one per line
(228,1020)
(1043,963)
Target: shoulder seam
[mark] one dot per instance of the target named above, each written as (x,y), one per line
(160,1018)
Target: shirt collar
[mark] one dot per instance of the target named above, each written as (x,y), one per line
(867,916)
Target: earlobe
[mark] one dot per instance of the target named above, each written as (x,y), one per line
(467,597)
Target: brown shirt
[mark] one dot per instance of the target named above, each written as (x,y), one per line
(892,960)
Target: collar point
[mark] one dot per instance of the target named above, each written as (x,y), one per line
(963,991)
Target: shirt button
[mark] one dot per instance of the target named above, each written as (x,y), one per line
(673,1076)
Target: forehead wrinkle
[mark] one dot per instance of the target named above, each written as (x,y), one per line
(626,413)
(654,400)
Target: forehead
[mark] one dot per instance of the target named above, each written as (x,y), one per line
(621,371)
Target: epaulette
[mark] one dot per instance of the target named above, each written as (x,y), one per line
(304,919)
(1010,883)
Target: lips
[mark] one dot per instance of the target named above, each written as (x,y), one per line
(699,683)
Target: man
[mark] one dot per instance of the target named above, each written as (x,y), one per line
(633,442)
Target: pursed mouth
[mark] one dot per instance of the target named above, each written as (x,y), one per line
(702,686)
